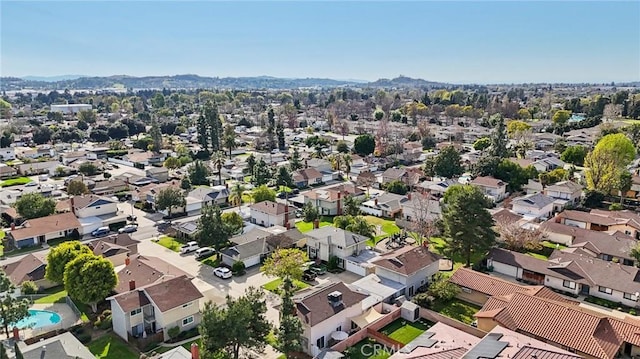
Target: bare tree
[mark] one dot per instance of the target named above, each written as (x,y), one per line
(422,222)
(517,238)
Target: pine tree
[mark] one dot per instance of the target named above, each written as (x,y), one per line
(280,134)
(499,139)
(261,173)
(203,132)
(294,162)
(212,118)
(156,136)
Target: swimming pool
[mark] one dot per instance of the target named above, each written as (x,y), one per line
(39,319)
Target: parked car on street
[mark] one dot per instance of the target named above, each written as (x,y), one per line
(318,270)
(205,252)
(129,228)
(102,231)
(308,275)
(222,272)
(189,247)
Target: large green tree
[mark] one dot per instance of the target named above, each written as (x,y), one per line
(294,162)
(12,308)
(199,173)
(212,231)
(34,205)
(561,117)
(263,193)
(468,225)
(60,255)
(574,155)
(229,138)
(498,137)
(623,184)
(239,324)
(169,198)
(284,178)
(397,187)
(89,279)
(364,145)
(76,188)
(285,262)
(448,163)
(214,126)
(261,173)
(610,156)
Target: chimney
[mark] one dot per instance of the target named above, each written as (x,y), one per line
(334,298)
(127,261)
(16,334)
(287,225)
(375,201)
(132,284)
(226,185)
(13,226)
(339,203)
(316,224)
(73,205)
(409,196)
(286,216)
(195,351)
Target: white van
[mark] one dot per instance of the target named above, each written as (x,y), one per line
(43,177)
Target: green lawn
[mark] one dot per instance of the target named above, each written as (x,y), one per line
(386,225)
(169,243)
(307,226)
(15,181)
(367,349)
(457,309)
(212,261)
(111,347)
(553,245)
(438,245)
(537,255)
(274,285)
(404,331)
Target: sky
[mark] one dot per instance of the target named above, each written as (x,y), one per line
(454,41)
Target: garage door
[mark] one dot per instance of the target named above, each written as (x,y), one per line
(250,262)
(354,267)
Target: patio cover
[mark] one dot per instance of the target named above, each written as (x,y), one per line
(367,318)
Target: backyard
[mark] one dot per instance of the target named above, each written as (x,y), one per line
(438,245)
(111,347)
(58,295)
(307,226)
(387,227)
(404,331)
(457,309)
(15,181)
(274,285)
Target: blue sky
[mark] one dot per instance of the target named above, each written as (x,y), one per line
(461,42)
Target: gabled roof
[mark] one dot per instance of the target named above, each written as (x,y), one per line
(205,194)
(285,239)
(604,218)
(272,208)
(567,325)
(313,305)
(91,200)
(170,293)
(338,236)
(31,267)
(246,250)
(407,260)
(306,174)
(40,226)
(144,271)
(536,200)
(488,182)
(565,187)
(61,346)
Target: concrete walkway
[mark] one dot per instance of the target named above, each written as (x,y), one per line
(67,316)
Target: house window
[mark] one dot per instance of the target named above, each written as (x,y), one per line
(339,329)
(187,304)
(320,342)
(136,311)
(629,296)
(339,247)
(569,284)
(186,321)
(605,290)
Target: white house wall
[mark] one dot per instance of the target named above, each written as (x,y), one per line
(118,320)
(325,328)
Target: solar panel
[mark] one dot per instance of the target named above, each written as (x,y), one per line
(489,347)
(423,340)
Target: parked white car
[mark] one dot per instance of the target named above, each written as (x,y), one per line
(222,272)
(205,252)
(189,247)
(129,228)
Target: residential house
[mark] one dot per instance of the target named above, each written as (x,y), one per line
(606,246)
(324,167)
(160,174)
(326,242)
(307,177)
(534,206)
(494,189)
(548,163)
(186,230)
(387,205)
(141,159)
(268,214)
(545,141)
(142,271)
(413,267)
(411,152)
(291,238)
(250,253)
(571,273)
(587,333)
(37,168)
(327,309)
(330,201)
(61,346)
(420,207)
(566,193)
(625,221)
(7,171)
(69,157)
(477,287)
(404,175)
(634,192)
(206,196)
(93,206)
(31,267)
(156,308)
(110,187)
(40,230)
(533,186)
(436,187)
(116,248)
(147,194)
(7,154)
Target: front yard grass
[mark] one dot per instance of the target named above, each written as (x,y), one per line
(457,309)
(404,331)
(15,181)
(212,261)
(307,226)
(274,285)
(169,243)
(111,347)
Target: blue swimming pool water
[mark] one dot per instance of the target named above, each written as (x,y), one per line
(39,319)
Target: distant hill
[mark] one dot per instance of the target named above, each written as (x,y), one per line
(404,81)
(174,82)
(52,78)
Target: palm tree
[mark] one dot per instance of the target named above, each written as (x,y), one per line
(347,163)
(218,159)
(237,191)
(319,152)
(362,227)
(229,138)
